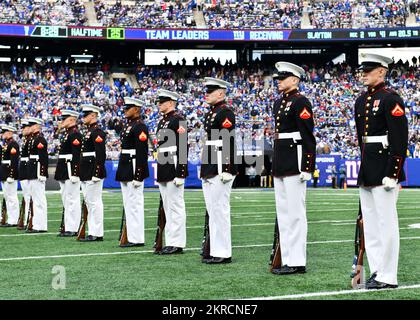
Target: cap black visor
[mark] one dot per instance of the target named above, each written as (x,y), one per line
(162,99)
(369,66)
(210,89)
(86,113)
(284,75)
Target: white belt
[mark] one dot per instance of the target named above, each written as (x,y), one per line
(289,135)
(131,152)
(89,154)
(9,162)
(168,149)
(376,139)
(216,143)
(25,159)
(34,157)
(65,156)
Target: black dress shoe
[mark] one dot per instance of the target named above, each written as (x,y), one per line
(288,270)
(206,259)
(130,244)
(8,225)
(92,238)
(216,260)
(377,285)
(67,234)
(372,277)
(171,250)
(35,231)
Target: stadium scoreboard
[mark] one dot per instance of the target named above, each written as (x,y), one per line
(257,35)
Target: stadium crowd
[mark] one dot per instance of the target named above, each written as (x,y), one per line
(43,12)
(358,14)
(141,14)
(224,14)
(45,88)
(231,14)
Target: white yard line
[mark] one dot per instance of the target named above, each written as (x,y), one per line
(150,251)
(330,293)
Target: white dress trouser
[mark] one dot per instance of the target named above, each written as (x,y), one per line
(290,195)
(26,193)
(70,196)
(174,205)
(39,202)
(92,193)
(381,231)
(133,201)
(217,198)
(12,201)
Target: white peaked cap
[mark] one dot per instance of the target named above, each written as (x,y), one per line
(287,67)
(216,82)
(162,93)
(367,58)
(71,113)
(24,122)
(132,101)
(34,120)
(7,127)
(91,107)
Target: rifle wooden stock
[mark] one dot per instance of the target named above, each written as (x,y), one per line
(29,225)
(123,230)
(205,245)
(62,226)
(81,234)
(161,222)
(3,213)
(21,221)
(357,275)
(275,257)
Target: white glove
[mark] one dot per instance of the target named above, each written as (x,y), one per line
(42,178)
(305,176)
(95,179)
(136,183)
(389,183)
(74,179)
(10,180)
(226,177)
(179,181)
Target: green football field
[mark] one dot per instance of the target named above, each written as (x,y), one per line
(102,270)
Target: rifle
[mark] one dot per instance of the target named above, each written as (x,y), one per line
(123,230)
(81,234)
(62,226)
(358,272)
(3,213)
(29,225)
(161,222)
(275,257)
(205,244)
(21,221)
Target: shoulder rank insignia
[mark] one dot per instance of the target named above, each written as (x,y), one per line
(99,139)
(226,124)
(13,151)
(76,142)
(181,130)
(142,136)
(397,111)
(305,114)
(40,146)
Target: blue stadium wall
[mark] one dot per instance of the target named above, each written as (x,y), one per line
(324,163)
